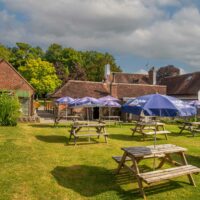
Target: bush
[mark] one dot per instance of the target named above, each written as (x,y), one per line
(9,109)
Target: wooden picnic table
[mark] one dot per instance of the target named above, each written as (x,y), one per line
(193,127)
(133,155)
(115,117)
(149,128)
(88,130)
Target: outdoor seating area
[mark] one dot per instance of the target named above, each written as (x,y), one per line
(193,127)
(82,149)
(149,129)
(87,130)
(164,152)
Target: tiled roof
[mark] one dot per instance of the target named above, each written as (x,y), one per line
(78,89)
(186,84)
(135,90)
(119,77)
(75,89)
(11,79)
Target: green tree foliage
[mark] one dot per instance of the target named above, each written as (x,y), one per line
(65,60)
(22,52)
(68,62)
(4,52)
(41,75)
(77,73)
(9,109)
(94,64)
(89,64)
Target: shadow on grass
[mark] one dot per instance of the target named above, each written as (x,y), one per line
(135,137)
(84,141)
(184,133)
(52,138)
(90,181)
(193,160)
(49,125)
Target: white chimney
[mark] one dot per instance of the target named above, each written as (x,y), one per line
(107,72)
(154,76)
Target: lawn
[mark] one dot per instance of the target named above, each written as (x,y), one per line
(36,163)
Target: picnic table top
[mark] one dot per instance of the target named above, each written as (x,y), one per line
(192,123)
(151,123)
(111,117)
(142,151)
(89,125)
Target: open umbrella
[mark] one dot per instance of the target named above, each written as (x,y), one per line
(86,102)
(195,103)
(110,104)
(65,100)
(159,105)
(108,98)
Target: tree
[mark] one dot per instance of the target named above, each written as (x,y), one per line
(66,61)
(94,62)
(77,73)
(41,75)
(4,52)
(22,52)
(61,71)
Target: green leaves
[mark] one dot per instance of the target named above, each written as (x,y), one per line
(4,52)
(41,75)
(9,109)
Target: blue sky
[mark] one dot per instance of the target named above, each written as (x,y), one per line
(139,33)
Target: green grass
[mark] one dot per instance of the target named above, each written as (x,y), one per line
(36,163)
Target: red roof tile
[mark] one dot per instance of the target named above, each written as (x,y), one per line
(186,84)
(78,89)
(135,90)
(119,77)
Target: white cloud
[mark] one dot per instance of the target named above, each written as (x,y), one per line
(137,27)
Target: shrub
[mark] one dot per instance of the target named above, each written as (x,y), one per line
(9,109)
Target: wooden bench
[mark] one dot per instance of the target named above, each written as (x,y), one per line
(118,158)
(157,133)
(194,131)
(162,175)
(89,135)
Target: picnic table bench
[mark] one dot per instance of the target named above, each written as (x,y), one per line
(163,152)
(150,128)
(193,127)
(88,130)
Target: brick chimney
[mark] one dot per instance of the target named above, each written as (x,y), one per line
(152,76)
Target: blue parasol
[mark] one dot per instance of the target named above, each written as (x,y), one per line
(159,105)
(108,98)
(65,100)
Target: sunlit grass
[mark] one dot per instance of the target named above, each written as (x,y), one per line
(37,162)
